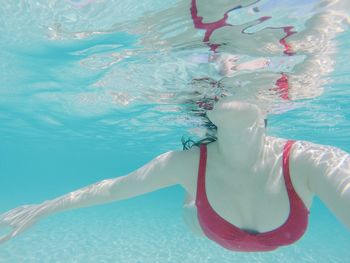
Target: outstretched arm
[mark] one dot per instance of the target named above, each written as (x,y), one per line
(328,172)
(159,173)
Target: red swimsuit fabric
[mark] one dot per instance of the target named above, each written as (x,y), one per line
(233,238)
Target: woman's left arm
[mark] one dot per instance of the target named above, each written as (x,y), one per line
(163,171)
(328,172)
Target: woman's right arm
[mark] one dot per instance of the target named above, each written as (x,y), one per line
(327,170)
(161,172)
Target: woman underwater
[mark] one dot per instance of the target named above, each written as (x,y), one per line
(249,191)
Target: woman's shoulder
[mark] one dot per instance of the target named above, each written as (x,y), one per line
(189,155)
(184,164)
(310,150)
(302,146)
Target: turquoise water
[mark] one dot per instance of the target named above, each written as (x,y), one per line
(94,89)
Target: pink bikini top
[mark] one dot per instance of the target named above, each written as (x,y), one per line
(231,237)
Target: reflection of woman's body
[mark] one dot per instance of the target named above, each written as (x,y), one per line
(244,179)
(308,45)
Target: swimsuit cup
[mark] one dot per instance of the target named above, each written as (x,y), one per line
(233,238)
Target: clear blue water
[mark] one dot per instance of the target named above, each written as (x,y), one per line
(94,89)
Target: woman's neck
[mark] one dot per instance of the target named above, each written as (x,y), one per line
(244,146)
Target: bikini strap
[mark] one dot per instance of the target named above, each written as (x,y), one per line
(201,174)
(285,165)
(296,203)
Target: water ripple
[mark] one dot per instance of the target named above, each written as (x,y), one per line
(91,68)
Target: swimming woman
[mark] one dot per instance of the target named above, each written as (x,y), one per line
(247,191)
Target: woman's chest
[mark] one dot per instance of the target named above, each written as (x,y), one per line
(254,199)
(252,212)
(260,206)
